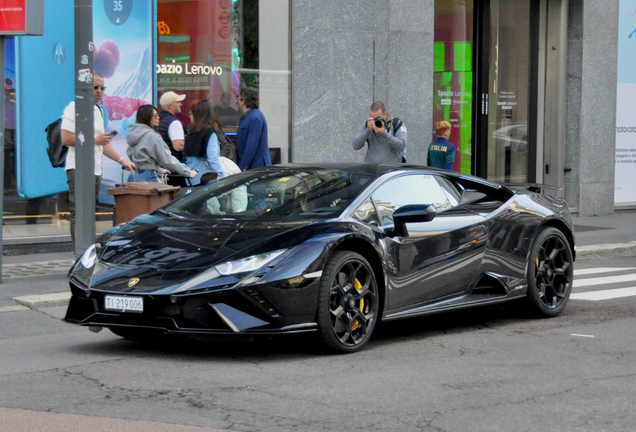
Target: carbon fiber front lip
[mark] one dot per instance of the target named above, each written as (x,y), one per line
(98,320)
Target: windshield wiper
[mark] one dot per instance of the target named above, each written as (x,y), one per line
(169,213)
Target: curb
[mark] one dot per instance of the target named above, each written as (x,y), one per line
(44,300)
(14,308)
(616,250)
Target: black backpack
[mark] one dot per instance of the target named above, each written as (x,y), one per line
(56,150)
(228,149)
(396,124)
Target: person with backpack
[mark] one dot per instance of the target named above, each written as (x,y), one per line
(386,139)
(202,146)
(102,146)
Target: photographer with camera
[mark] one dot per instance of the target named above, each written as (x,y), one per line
(386,139)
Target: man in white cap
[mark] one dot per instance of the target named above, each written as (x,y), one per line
(171,129)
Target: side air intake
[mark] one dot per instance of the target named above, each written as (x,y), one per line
(490,285)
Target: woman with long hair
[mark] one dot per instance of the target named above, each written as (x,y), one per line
(202,144)
(149,151)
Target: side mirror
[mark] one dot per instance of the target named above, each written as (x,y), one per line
(411,213)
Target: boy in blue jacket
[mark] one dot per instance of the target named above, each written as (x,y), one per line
(441,153)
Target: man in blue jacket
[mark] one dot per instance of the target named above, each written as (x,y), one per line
(251,136)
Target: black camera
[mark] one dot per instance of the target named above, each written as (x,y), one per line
(379,122)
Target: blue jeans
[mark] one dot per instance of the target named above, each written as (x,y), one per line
(143,175)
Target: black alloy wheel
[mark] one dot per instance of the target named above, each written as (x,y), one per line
(348,302)
(550,273)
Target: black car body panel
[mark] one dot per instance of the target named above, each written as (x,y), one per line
(474,251)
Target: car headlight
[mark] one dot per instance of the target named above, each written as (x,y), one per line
(89,257)
(247,265)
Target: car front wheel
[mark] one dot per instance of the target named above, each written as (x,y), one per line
(550,273)
(347,302)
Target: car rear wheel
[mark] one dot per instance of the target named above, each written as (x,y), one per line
(550,273)
(136,334)
(347,302)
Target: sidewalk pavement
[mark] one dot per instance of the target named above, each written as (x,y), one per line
(44,275)
(37,274)
(610,236)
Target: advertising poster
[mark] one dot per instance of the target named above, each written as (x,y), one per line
(44,86)
(625,180)
(12,16)
(122,32)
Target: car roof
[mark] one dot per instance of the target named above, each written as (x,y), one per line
(357,167)
(381,169)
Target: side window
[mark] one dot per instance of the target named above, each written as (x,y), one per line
(453,190)
(366,213)
(410,189)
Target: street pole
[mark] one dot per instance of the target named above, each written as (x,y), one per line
(84,128)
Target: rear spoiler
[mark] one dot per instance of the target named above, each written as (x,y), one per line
(532,187)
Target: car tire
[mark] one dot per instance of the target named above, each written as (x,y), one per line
(136,334)
(550,273)
(348,302)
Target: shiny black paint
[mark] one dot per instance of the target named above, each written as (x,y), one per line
(292,301)
(437,259)
(436,267)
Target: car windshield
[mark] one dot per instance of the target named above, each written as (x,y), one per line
(273,195)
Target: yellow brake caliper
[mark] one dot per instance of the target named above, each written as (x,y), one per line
(357,285)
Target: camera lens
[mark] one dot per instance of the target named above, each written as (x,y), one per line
(378,122)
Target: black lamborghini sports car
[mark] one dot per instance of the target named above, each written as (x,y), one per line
(329,248)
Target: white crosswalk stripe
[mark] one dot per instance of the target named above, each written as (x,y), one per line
(606,285)
(603,280)
(605,295)
(583,272)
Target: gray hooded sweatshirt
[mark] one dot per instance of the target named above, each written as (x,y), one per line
(149,151)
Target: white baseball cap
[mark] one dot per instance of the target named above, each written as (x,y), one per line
(168,97)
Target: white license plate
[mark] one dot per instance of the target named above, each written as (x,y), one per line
(124,304)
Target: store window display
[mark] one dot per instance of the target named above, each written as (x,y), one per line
(210,49)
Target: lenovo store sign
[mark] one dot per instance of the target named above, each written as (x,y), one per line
(21,17)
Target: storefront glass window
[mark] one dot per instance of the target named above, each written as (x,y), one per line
(9,117)
(22,216)
(209,49)
(453,75)
(206,49)
(508,91)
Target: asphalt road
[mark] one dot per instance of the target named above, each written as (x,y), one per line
(489,369)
